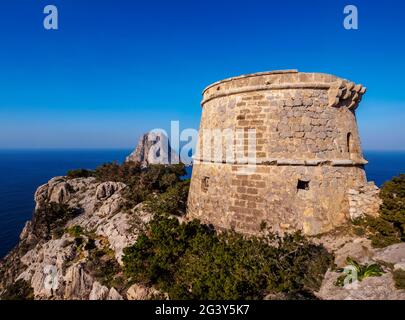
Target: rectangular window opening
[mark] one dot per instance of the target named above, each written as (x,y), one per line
(205,182)
(303,185)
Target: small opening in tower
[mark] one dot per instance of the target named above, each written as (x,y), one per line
(348,142)
(303,185)
(205,183)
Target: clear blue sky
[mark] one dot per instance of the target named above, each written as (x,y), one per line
(115,69)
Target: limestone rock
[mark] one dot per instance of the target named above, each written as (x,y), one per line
(60,193)
(45,259)
(107,189)
(391,254)
(141,292)
(372,288)
(98,292)
(51,254)
(78,283)
(114,295)
(116,230)
(154,148)
(359,249)
(399,266)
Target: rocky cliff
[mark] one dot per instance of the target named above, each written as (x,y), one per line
(79,258)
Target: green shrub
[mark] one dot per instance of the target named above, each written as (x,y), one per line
(103,266)
(193,261)
(80,173)
(399,278)
(141,182)
(75,231)
(50,218)
(19,290)
(383,233)
(363,271)
(173,201)
(388,227)
(393,206)
(155,179)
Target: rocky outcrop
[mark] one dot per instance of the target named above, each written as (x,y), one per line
(98,292)
(371,288)
(114,295)
(141,292)
(76,222)
(154,148)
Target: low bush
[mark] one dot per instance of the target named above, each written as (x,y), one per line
(75,231)
(80,173)
(141,181)
(19,290)
(51,217)
(173,201)
(193,261)
(389,227)
(399,278)
(393,206)
(103,266)
(382,233)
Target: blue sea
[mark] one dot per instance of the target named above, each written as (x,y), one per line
(22,171)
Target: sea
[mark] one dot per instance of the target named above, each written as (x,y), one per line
(22,171)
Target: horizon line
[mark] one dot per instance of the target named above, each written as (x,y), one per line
(126,148)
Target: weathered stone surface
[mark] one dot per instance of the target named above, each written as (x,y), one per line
(364,201)
(371,288)
(399,266)
(78,282)
(359,249)
(102,215)
(114,295)
(98,292)
(392,254)
(307,154)
(50,254)
(107,189)
(141,292)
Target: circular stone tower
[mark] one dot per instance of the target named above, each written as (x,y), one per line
(306,150)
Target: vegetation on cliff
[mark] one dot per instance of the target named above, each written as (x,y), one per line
(399,278)
(389,227)
(193,261)
(51,218)
(19,290)
(143,182)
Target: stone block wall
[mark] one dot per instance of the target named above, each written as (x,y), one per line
(364,201)
(307,152)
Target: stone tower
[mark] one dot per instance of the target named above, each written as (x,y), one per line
(308,168)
